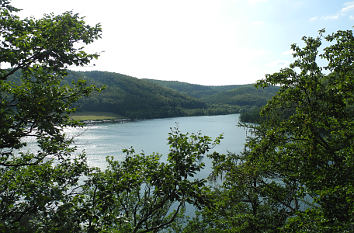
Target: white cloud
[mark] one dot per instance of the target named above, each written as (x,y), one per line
(330,17)
(348,9)
(348,6)
(315,18)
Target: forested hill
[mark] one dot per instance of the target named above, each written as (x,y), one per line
(245,95)
(133,98)
(194,90)
(235,95)
(146,98)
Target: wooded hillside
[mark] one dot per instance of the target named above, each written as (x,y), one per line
(132,97)
(146,98)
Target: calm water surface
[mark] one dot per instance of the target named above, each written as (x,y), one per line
(148,136)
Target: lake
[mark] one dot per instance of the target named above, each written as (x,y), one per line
(148,136)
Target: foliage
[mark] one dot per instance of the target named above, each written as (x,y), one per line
(44,185)
(36,185)
(142,194)
(296,172)
(251,115)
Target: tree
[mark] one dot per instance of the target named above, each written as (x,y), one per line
(314,146)
(36,186)
(296,172)
(44,185)
(143,194)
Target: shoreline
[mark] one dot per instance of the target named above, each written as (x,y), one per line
(92,122)
(125,120)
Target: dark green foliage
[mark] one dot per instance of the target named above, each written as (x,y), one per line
(251,115)
(46,187)
(35,185)
(49,42)
(296,172)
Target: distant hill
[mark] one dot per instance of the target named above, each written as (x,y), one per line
(132,97)
(236,95)
(245,95)
(194,90)
(147,98)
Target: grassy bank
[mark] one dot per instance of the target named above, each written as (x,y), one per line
(95,116)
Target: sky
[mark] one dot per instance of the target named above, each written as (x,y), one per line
(208,42)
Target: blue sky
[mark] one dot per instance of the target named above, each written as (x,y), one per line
(210,42)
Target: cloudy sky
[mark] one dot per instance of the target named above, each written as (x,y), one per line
(210,42)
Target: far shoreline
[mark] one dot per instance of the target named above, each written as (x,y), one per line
(91,118)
